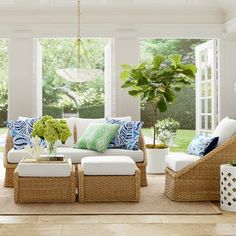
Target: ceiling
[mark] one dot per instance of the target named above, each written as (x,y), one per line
(223,10)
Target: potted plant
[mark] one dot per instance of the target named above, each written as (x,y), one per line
(170,125)
(157,82)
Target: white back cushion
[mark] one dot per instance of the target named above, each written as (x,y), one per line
(82,124)
(225,130)
(70,141)
(125,118)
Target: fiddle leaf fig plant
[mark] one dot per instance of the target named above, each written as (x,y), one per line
(158,81)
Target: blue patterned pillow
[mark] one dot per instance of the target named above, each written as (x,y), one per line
(21,131)
(201,145)
(128,134)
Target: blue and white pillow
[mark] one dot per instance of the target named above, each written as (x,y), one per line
(201,145)
(20,131)
(128,134)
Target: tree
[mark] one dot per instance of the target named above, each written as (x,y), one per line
(157,81)
(55,55)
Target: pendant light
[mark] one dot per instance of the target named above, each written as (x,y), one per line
(79,74)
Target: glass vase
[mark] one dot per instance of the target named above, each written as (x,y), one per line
(51,149)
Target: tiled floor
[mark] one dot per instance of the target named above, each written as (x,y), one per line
(106,225)
(117,225)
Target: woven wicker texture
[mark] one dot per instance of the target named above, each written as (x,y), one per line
(109,188)
(9,174)
(200,181)
(44,189)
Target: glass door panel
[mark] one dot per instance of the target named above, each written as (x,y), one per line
(206,87)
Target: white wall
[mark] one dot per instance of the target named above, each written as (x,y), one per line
(227,94)
(24,84)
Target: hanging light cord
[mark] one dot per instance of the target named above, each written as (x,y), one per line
(78,43)
(78,33)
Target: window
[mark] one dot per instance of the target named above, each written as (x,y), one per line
(63,98)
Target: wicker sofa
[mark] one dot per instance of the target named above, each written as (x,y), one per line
(11,166)
(200,181)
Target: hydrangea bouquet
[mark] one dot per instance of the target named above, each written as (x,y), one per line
(51,130)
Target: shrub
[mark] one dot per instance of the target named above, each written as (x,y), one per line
(167,124)
(165,137)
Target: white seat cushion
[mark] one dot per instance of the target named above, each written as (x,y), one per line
(176,161)
(77,154)
(108,165)
(44,169)
(14,156)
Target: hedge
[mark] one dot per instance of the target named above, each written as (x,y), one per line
(57,112)
(84,112)
(3,117)
(183,110)
(51,110)
(92,111)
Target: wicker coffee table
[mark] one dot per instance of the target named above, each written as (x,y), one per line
(44,182)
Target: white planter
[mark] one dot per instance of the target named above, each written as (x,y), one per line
(156,160)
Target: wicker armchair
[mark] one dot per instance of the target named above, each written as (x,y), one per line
(10,168)
(200,181)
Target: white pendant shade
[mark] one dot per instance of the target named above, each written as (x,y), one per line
(78,74)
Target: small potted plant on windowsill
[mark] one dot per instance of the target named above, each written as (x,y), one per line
(157,82)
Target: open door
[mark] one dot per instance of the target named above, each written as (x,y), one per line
(206,87)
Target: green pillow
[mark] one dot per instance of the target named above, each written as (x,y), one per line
(97,136)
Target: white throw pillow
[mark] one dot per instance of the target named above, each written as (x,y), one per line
(70,141)
(225,130)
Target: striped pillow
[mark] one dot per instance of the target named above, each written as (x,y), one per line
(20,131)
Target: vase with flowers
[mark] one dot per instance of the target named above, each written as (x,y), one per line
(51,130)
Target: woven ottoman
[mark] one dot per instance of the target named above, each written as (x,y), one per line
(108,179)
(44,182)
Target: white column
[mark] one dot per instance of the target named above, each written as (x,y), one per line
(24,77)
(125,49)
(227,78)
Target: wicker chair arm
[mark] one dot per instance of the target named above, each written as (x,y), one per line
(142,146)
(8,147)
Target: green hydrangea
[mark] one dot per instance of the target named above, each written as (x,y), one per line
(39,126)
(51,129)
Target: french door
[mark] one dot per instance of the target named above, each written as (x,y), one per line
(206,87)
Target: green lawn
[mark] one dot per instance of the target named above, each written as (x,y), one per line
(182,140)
(3,130)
